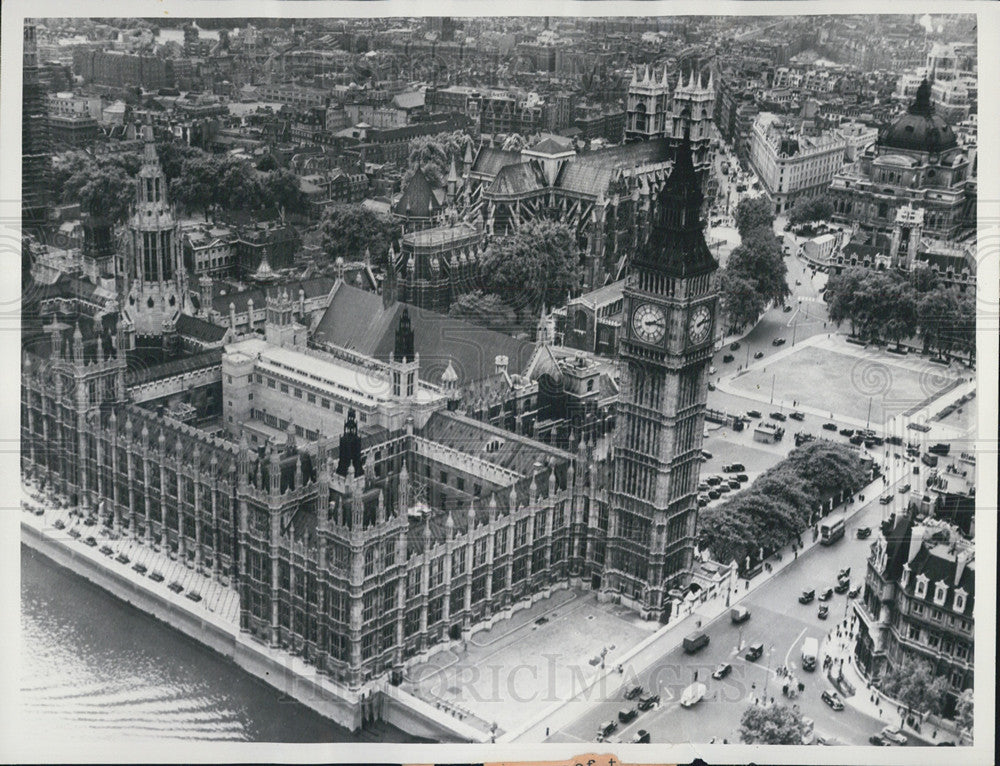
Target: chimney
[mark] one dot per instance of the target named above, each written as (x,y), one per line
(961,560)
(917,534)
(501,364)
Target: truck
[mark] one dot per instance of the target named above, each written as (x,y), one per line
(693,694)
(810,651)
(695,641)
(739,614)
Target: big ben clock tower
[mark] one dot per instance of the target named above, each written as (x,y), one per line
(666,344)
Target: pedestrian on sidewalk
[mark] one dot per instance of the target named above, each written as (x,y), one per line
(546,731)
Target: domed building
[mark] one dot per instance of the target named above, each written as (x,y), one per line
(917,161)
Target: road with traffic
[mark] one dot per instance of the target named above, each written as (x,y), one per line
(781,623)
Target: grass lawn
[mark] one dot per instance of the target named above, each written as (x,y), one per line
(842,384)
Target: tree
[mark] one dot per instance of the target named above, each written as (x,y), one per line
(197,185)
(828,467)
(771,725)
(172,155)
(281,190)
(433,155)
(754,213)
(758,259)
(267,162)
(901,318)
(743,304)
(912,683)
(515,142)
(108,194)
(807,210)
(484,309)
(726,533)
(349,230)
(536,264)
(964,711)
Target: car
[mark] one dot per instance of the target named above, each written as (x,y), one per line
(798,281)
(627,714)
(724,489)
(895,441)
(844,574)
(796,415)
(833,700)
(878,441)
(91,542)
(778,342)
(885,500)
(829,426)
(753,413)
(106,550)
(754,651)
(734,484)
(824,612)
(778,416)
(940,449)
(140,568)
(694,694)
(60,524)
(711,386)
(894,735)
(703,486)
(706,455)
(876,740)
(156,576)
(74,532)
(633,692)
(734,468)
(89,522)
(713,481)
(842,586)
(641,737)
(847,432)
(646,702)
(741,477)
(759,355)
(702,501)
(947,743)
(786,309)
(807,596)
(606,728)
(802,438)
(722,671)
(826,739)
(728,358)
(854,592)
(826,595)
(714,494)
(857,439)
(904,489)
(734,346)
(864,533)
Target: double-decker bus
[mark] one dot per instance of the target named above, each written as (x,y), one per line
(831,529)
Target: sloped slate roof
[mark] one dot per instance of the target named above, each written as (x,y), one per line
(199,329)
(419,198)
(356,319)
(522,178)
(490,160)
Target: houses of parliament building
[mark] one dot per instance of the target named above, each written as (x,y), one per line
(362,519)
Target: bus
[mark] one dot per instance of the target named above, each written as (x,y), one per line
(831,529)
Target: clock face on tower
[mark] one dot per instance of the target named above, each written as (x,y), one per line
(649,323)
(700,325)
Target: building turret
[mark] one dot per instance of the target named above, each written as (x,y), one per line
(350,448)
(77,345)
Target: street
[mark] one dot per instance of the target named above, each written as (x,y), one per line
(778,620)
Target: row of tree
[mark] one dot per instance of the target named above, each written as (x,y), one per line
(755,274)
(104,185)
(891,306)
(781,503)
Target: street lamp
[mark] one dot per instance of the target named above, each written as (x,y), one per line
(767,677)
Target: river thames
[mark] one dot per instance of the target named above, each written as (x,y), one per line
(98,671)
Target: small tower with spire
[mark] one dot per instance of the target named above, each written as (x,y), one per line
(404,363)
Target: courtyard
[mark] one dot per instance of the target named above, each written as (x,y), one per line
(510,674)
(833,378)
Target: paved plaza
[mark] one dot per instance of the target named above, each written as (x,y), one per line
(522,666)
